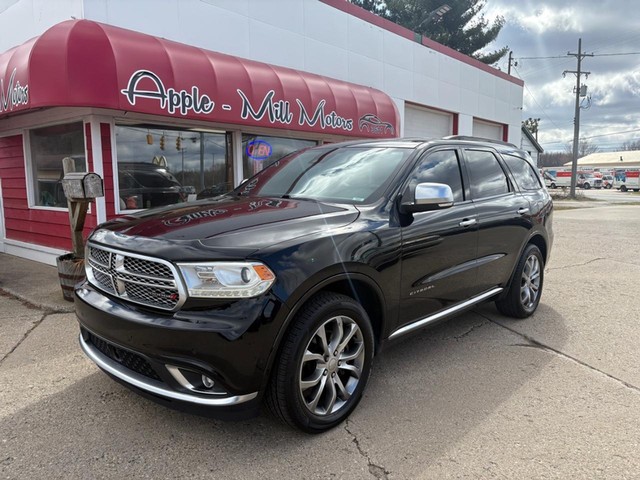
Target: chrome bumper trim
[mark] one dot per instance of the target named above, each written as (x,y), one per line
(151,386)
(444,313)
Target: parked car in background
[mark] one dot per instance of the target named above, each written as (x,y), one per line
(549,180)
(285,289)
(588,180)
(147,185)
(608,181)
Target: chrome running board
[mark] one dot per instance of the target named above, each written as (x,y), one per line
(443,313)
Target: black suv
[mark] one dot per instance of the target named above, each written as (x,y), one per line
(284,289)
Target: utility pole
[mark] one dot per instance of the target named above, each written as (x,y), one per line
(511,62)
(576,121)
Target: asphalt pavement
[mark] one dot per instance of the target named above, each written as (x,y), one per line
(481,396)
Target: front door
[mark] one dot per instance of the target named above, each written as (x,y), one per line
(438,247)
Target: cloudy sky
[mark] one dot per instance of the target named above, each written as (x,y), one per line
(551,28)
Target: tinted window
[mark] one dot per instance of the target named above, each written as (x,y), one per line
(524,174)
(441,167)
(485,174)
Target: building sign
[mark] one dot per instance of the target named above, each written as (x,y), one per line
(13,94)
(242,106)
(170,99)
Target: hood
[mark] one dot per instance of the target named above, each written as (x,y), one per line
(233,221)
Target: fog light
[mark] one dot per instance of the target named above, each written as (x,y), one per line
(207,382)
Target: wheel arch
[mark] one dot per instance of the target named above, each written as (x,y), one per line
(360,287)
(539,241)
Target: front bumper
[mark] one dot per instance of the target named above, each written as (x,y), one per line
(160,354)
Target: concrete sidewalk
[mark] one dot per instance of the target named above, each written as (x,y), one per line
(32,282)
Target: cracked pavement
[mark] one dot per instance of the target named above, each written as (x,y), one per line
(481,396)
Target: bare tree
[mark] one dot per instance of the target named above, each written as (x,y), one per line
(633,145)
(554,159)
(585,147)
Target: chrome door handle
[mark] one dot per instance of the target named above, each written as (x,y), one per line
(468,223)
(523,211)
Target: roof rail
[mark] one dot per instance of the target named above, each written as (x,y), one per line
(479,139)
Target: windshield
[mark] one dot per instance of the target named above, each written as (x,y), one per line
(343,175)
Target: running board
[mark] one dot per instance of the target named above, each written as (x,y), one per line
(444,313)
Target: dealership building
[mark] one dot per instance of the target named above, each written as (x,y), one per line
(175,99)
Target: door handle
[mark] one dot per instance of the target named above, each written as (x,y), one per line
(468,223)
(523,211)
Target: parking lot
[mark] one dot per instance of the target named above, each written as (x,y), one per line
(482,396)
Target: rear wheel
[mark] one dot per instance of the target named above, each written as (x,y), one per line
(623,188)
(324,364)
(553,185)
(526,287)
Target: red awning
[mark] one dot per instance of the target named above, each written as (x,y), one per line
(80,63)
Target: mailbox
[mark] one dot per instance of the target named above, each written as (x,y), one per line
(82,186)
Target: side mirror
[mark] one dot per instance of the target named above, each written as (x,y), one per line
(424,197)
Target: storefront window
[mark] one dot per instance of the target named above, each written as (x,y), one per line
(49,145)
(161,166)
(260,151)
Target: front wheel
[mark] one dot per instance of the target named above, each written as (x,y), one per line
(586,186)
(524,293)
(324,364)
(623,188)
(553,185)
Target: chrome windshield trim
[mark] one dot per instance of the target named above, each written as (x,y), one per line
(151,386)
(456,308)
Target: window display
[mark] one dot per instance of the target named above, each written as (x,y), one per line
(162,165)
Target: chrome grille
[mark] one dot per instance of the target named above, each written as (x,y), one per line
(138,279)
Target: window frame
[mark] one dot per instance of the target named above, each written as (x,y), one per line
(510,183)
(531,168)
(461,166)
(29,165)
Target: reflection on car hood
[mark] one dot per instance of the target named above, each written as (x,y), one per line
(232,221)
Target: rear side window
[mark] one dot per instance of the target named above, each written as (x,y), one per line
(486,176)
(441,167)
(525,175)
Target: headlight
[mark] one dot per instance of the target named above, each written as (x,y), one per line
(226,279)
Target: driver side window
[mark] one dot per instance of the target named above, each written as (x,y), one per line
(442,166)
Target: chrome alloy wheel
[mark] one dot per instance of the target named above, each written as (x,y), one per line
(331,366)
(530,282)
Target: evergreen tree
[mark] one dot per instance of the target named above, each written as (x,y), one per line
(464,28)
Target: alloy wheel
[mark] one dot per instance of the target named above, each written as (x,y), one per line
(530,283)
(331,366)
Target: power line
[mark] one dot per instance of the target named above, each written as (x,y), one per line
(536,101)
(594,55)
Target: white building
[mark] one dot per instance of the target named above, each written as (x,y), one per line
(213,90)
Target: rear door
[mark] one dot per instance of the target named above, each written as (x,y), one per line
(438,247)
(503,217)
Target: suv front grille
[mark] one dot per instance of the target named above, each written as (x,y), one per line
(147,281)
(126,358)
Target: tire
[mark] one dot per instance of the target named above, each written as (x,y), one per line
(609,186)
(316,384)
(553,186)
(525,290)
(586,186)
(623,188)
